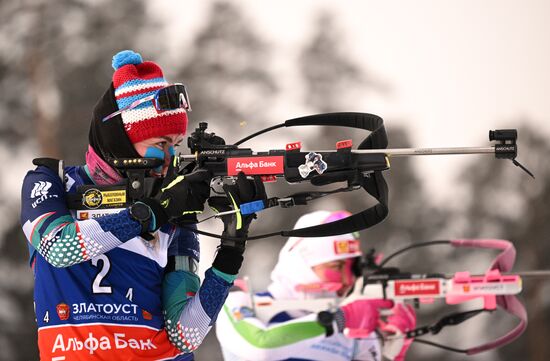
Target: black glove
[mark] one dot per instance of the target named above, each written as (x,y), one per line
(185,194)
(181,195)
(229,257)
(243,191)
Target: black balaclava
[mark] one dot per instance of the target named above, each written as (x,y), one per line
(108,138)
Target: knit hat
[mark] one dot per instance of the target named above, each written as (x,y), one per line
(133,79)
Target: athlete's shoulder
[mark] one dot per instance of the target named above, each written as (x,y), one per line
(48,170)
(54,171)
(42,192)
(47,179)
(41,182)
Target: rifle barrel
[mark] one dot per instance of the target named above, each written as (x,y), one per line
(533,274)
(522,274)
(400,152)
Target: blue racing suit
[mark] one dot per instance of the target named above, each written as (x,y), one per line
(101,291)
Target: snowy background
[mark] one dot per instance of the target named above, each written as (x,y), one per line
(440,73)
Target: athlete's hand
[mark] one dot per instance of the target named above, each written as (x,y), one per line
(402,319)
(182,196)
(186,194)
(243,191)
(363,314)
(230,252)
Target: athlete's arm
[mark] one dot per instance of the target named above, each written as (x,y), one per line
(249,338)
(55,234)
(190,308)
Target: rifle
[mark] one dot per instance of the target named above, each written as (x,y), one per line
(497,288)
(359,168)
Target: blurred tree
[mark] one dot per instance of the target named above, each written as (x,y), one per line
(227,73)
(54,71)
(413,217)
(54,65)
(331,77)
(229,86)
(17,319)
(331,74)
(332,80)
(505,202)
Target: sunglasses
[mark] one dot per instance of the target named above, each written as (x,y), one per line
(170,97)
